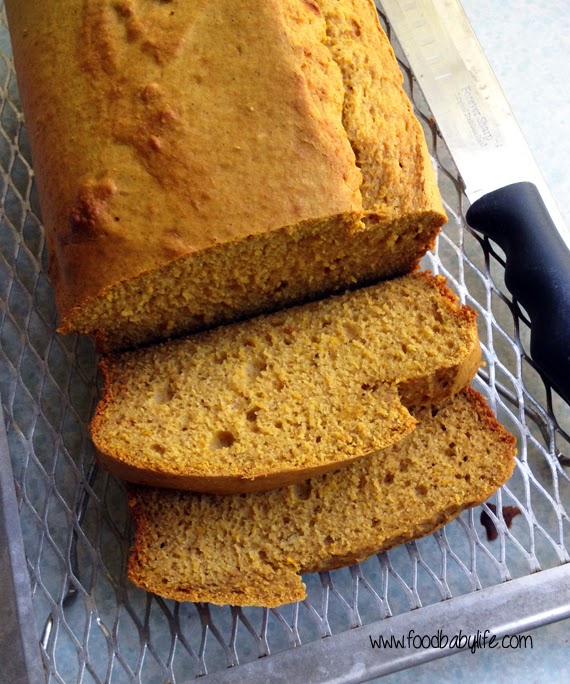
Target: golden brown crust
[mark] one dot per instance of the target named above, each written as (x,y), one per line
(387,139)
(206,548)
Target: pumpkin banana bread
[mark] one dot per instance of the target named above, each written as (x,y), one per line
(276,399)
(202,161)
(250,549)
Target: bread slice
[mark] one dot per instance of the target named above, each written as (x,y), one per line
(250,550)
(277,399)
(217,159)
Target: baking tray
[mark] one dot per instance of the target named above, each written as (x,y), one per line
(71,616)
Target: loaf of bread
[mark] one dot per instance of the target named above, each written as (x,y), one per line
(201,161)
(250,550)
(273,400)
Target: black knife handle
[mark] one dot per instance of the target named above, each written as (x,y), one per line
(537,271)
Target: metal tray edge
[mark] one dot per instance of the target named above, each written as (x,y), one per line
(18,634)
(505,609)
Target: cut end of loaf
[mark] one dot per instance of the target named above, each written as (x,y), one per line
(253,276)
(199,547)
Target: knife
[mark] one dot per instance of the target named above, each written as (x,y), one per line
(510,202)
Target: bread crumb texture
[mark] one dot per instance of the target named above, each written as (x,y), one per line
(250,549)
(273,400)
(217,159)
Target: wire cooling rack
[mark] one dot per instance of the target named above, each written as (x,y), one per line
(81,621)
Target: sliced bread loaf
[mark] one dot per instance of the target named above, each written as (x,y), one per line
(249,550)
(274,400)
(217,158)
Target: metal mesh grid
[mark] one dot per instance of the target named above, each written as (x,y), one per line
(95,626)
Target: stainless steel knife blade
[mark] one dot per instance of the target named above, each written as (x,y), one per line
(466,99)
(510,202)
